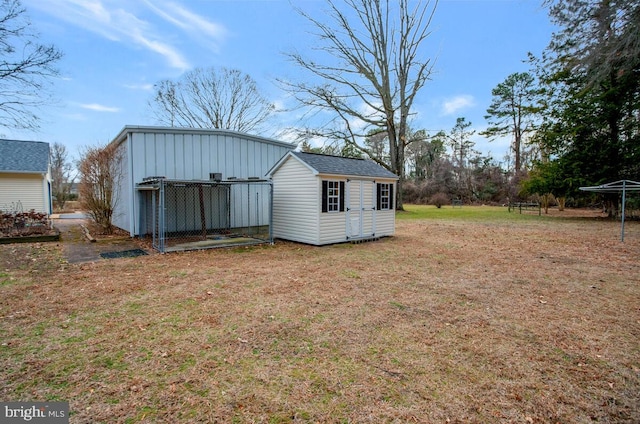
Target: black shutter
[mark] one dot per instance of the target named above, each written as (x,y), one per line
(341,196)
(391,198)
(378,200)
(325,194)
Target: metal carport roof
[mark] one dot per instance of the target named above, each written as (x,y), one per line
(616,187)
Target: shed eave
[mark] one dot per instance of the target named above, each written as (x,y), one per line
(356,176)
(285,158)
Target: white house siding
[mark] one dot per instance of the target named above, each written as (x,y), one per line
(296,203)
(190,154)
(27,190)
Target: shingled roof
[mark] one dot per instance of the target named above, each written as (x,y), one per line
(24,156)
(338,165)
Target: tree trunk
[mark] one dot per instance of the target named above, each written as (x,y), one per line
(561,202)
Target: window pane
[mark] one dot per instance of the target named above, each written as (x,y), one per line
(333,196)
(384,197)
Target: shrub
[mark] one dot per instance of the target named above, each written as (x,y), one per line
(439,199)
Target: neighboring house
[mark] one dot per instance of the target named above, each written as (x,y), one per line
(25,179)
(189,155)
(321,199)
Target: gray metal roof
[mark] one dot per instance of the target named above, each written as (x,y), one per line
(24,156)
(337,165)
(614,187)
(130,129)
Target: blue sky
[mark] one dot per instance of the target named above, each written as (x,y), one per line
(115,50)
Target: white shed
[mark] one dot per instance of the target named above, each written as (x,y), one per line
(25,178)
(321,199)
(187,154)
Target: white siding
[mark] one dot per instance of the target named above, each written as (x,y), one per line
(296,203)
(30,190)
(386,220)
(369,214)
(333,227)
(385,223)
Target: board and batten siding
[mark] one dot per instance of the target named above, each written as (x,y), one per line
(123,192)
(27,190)
(189,154)
(194,156)
(296,203)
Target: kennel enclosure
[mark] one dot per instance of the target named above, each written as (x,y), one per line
(199,214)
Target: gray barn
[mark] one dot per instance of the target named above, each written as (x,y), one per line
(189,155)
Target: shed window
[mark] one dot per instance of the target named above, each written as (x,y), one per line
(332,196)
(384,196)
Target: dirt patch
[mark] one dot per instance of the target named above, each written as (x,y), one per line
(448,321)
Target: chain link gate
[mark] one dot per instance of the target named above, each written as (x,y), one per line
(200,214)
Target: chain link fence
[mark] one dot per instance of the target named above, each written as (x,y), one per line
(188,215)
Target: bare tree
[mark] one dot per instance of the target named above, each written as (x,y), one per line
(26,68)
(100,170)
(212,98)
(61,170)
(373,72)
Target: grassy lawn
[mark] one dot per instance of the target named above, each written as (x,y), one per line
(467,315)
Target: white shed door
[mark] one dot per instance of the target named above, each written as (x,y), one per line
(360,209)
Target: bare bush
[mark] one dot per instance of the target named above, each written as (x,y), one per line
(100,173)
(439,199)
(16,224)
(61,169)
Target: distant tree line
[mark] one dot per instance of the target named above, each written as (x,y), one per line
(573,120)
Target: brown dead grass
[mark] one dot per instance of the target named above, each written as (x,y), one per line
(448,321)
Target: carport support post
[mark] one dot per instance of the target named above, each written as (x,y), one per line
(624,186)
(203,219)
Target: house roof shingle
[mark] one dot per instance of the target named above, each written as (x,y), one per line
(337,165)
(24,156)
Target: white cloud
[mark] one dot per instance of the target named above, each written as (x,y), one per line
(497,147)
(454,104)
(195,25)
(110,19)
(143,87)
(99,108)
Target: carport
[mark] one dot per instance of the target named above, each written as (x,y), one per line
(200,214)
(622,186)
